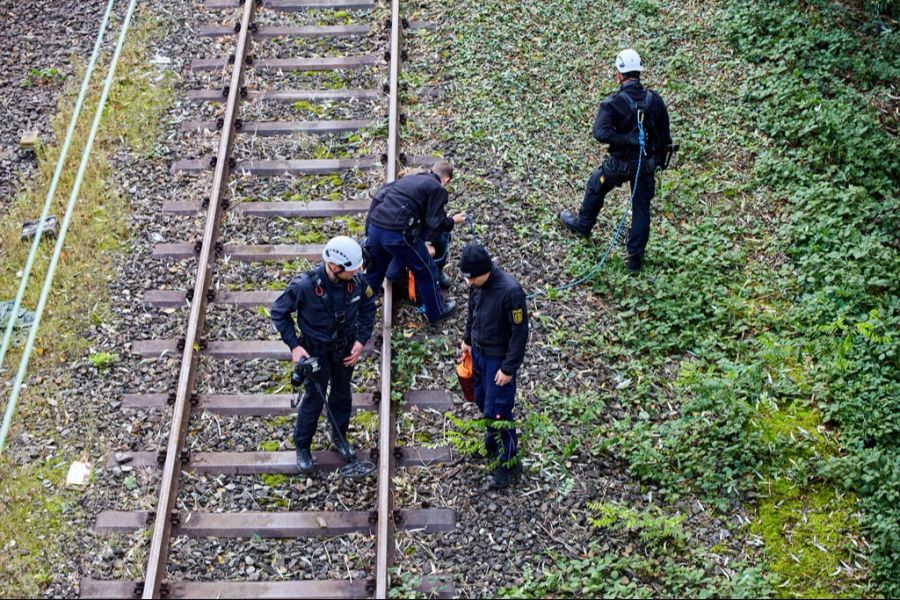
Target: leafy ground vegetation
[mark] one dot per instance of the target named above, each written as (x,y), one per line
(756,355)
(33,496)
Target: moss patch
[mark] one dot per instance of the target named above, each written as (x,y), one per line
(805,533)
(806,526)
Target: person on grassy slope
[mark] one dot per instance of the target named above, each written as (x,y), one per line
(616,124)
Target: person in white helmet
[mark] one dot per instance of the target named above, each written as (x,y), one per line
(617,125)
(335,309)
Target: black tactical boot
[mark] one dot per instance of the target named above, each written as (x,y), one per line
(444,281)
(570,222)
(304,460)
(449,311)
(634,263)
(502,477)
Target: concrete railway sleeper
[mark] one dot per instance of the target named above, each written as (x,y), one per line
(176,457)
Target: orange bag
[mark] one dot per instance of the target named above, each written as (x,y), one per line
(464,373)
(411,289)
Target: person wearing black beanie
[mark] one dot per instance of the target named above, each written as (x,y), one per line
(496,335)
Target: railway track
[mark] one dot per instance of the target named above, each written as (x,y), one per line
(175,459)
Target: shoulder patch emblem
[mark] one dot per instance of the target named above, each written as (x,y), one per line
(369,291)
(518,314)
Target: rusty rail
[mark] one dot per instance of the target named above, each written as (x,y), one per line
(387,433)
(162,526)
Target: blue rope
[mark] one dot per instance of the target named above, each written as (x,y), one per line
(618,230)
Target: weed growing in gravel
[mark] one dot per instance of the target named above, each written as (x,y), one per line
(44,76)
(103,360)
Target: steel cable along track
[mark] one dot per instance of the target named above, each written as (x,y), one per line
(185,401)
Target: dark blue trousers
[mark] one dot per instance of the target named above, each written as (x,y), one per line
(496,404)
(595,191)
(386,246)
(331,370)
(441,243)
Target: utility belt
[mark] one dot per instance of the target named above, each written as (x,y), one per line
(628,168)
(334,350)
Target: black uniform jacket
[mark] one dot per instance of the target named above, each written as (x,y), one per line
(327,313)
(415,201)
(498,320)
(616,123)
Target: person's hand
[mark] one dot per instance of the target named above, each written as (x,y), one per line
(459,218)
(355,353)
(502,378)
(431,250)
(465,348)
(298,353)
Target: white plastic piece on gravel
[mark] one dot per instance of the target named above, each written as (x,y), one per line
(79,474)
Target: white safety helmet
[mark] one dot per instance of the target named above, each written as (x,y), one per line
(343,251)
(628,61)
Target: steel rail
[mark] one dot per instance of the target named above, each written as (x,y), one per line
(162,526)
(384,541)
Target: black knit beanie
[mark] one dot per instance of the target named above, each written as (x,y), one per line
(475,261)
